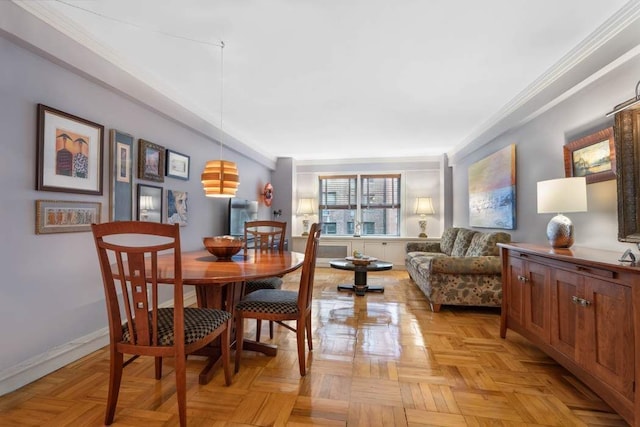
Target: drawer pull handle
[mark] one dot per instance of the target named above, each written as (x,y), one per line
(580,301)
(522,279)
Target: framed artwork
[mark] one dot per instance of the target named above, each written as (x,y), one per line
(121,169)
(150,161)
(492,190)
(177,165)
(69,153)
(149,203)
(593,156)
(177,212)
(58,216)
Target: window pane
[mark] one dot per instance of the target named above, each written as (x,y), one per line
(380,204)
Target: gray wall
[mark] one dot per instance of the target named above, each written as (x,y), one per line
(539,156)
(51,292)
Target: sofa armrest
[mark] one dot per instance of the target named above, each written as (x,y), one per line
(423,247)
(467,265)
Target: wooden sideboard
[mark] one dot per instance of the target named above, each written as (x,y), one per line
(581,307)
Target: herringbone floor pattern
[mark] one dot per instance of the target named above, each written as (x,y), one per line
(378,360)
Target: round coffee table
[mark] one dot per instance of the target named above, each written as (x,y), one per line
(360,267)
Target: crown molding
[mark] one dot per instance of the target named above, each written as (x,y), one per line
(606,48)
(40,28)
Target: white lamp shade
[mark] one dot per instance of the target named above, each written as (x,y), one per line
(424,206)
(562,195)
(306,207)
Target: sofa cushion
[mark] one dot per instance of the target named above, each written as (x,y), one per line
(448,239)
(484,244)
(463,239)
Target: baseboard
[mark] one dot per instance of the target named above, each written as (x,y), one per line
(55,358)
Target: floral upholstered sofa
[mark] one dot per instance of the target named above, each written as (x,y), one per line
(463,268)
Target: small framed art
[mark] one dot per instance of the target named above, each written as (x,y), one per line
(177,207)
(69,153)
(121,176)
(592,156)
(177,165)
(59,216)
(149,203)
(150,161)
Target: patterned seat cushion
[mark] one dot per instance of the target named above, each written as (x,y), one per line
(270,301)
(266,283)
(198,323)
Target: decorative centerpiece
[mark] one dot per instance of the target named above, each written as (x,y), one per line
(223,247)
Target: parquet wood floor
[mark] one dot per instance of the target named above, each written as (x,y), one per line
(378,360)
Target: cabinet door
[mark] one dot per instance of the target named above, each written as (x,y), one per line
(608,334)
(514,290)
(537,308)
(565,286)
(387,251)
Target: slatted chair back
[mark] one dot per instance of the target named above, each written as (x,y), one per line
(265,235)
(139,291)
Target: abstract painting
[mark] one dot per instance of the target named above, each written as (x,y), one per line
(492,190)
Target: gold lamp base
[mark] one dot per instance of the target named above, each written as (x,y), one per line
(423,228)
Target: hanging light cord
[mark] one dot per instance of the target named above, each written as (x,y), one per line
(175,36)
(221,92)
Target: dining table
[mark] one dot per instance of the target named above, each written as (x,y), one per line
(219,284)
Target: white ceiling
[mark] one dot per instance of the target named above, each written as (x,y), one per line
(318,79)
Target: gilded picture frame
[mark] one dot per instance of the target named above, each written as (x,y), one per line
(592,156)
(150,161)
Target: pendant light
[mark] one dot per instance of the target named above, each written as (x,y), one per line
(220,177)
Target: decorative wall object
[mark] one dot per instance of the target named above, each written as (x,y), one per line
(267,194)
(149,203)
(177,208)
(150,161)
(593,156)
(58,216)
(69,154)
(492,190)
(121,170)
(177,165)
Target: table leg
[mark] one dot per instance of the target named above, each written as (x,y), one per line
(360,286)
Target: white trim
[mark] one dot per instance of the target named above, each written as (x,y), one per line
(607,47)
(55,358)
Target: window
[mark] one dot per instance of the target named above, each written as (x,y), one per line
(373,201)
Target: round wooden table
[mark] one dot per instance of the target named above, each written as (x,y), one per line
(219,284)
(360,267)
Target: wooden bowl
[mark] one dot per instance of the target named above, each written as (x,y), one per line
(223,247)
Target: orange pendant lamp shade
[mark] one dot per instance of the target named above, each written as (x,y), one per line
(220,179)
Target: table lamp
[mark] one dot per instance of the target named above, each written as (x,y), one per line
(424,207)
(562,195)
(306,207)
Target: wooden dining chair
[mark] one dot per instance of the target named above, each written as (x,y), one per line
(131,287)
(279,305)
(263,236)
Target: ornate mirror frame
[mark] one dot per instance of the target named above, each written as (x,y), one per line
(627,142)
